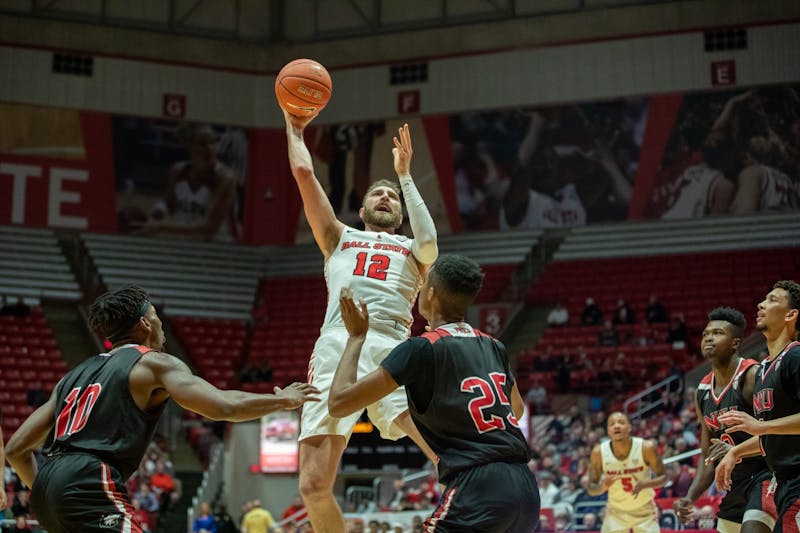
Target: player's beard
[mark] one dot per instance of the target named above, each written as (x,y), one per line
(382,219)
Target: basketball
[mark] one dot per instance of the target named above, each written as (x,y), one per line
(303,87)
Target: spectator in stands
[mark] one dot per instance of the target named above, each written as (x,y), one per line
(706,518)
(608,335)
(374,526)
(548,491)
(563,376)
(563,521)
(397,527)
(677,334)
(204,522)
(147,499)
(294,508)
(224,521)
(257,519)
(141,516)
(643,336)
(4,308)
(544,524)
(537,397)
(589,522)
(21,505)
(162,484)
(558,316)
(545,362)
(416,524)
(591,314)
(655,311)
(624,314)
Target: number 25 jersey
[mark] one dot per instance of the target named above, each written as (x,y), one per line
(378,267)
(458,385)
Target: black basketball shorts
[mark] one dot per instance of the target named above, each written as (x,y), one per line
(78,493)
(787,498)
(491,498)
(749,499)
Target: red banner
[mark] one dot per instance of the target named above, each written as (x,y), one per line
(61,192)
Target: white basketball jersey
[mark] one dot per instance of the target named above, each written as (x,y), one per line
(690,193)
(633,469)
(378,267)
(779,191)
(564,211)
(192,205)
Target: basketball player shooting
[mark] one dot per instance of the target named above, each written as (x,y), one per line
(620,466)
(386,270)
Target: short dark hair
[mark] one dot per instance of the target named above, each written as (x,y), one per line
(458,280)
(732,316)
(791,287)
(113,314)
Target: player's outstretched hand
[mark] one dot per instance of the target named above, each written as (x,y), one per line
(402,151)
(684,508)
(717,451)
(297,394)
(297,122)
(722,475)
(741,421)
(355,317)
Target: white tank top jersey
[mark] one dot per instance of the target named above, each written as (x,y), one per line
(192,205)
(633,469)
(690,191)
(563,211)
(378,267)
(779,191)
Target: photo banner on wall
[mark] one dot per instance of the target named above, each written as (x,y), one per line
(179,178)
(55,166)
(349,157)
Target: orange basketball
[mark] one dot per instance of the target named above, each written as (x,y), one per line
(303,87)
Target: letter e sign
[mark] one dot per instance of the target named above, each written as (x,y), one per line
(723,73)
(174,105)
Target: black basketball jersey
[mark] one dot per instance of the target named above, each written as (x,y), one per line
(458,384)
(730,399)
(776,395)
(96,413)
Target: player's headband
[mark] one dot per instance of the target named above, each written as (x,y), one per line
(129,324)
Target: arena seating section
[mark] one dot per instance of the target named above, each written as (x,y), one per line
(676,261)
(28,354)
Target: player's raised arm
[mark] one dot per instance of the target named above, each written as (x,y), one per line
(196,394)
(320,215)
(424,247)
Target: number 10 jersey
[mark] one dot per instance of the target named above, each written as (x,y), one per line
(378,267)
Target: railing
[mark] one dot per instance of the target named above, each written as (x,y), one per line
(642,406)
(209,486)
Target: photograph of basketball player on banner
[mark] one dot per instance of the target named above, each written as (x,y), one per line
(728,152)
(547,167)
(179,178)
(349,157)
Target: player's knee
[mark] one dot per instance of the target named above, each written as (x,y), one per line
(314,486)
